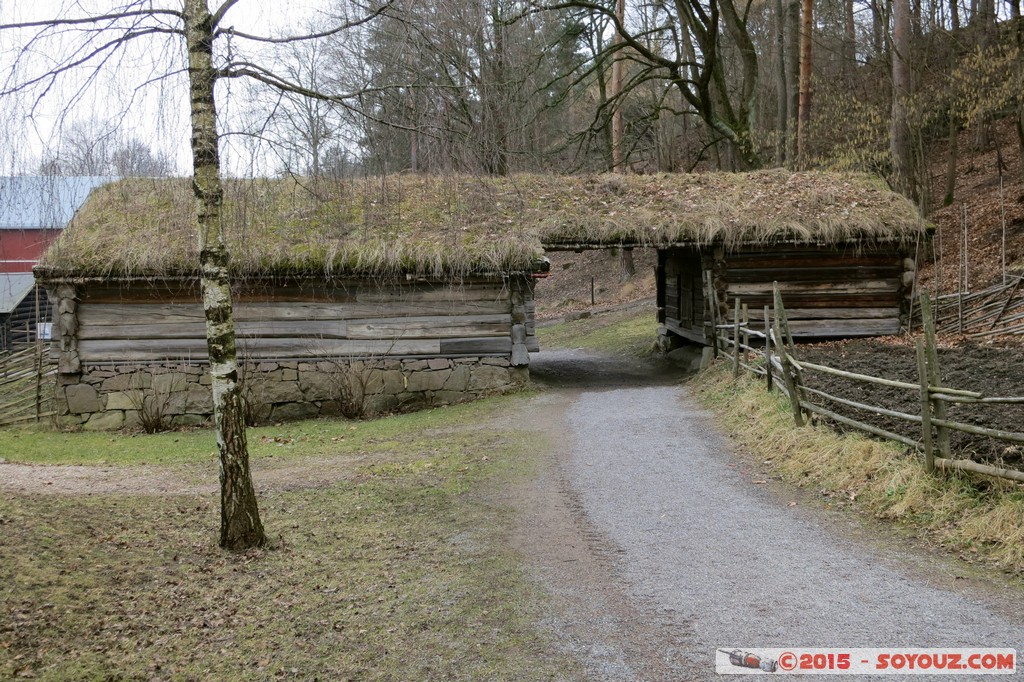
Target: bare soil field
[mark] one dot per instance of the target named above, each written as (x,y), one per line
(995,369)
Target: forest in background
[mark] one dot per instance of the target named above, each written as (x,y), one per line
(494,87)
(497,86)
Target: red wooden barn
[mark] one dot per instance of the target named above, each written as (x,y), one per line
(33,211)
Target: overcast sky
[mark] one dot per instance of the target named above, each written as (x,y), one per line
(156,114)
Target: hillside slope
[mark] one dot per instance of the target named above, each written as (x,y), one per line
(986,201)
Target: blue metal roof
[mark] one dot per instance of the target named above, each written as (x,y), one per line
(31,202)
(14,286)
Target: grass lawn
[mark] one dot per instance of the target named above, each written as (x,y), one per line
(399,571)
(316,437)
(630,332)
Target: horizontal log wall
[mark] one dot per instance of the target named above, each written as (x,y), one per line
(829,292)
(161,322)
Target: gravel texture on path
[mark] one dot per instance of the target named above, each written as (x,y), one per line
(712,559)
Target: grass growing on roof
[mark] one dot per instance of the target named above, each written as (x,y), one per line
(399,571)
(452,225)
(978,517)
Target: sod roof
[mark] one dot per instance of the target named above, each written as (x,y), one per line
(458,225)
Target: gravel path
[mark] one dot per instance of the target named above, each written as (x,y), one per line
(710,559)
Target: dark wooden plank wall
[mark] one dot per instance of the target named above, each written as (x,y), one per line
(829,292)
(160,322)
(684,295)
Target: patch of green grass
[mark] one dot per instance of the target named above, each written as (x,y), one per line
(399,572)
(630,332)
(978,517)
(312,437)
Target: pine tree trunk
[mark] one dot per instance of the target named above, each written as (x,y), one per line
(241,527)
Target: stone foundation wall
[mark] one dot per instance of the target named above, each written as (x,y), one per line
(108,398)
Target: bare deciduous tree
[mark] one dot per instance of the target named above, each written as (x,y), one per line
(79,39)
(93,147)
(722,92)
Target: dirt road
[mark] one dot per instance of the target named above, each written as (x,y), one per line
(660,545)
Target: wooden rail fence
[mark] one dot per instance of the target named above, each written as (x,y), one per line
(774,358)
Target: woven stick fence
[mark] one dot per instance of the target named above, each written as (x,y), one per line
(996,311)
(26,385)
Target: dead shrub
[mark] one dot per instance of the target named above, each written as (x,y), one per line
(152,411)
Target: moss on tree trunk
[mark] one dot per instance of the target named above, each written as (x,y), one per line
(241,527)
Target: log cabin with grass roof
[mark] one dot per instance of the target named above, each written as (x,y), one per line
(843,247)
(389,293)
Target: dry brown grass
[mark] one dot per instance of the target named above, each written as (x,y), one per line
(978,517)
(432,225)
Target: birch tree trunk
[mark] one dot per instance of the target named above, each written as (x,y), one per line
(240,526)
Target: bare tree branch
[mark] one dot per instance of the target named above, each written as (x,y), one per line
(309,36)
(110,45)
(52,23)
(221,11)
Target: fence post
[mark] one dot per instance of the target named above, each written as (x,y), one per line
(38,363)
(787,376)
(712,298)
(746,334)
(768,346)
(788,346)
(926,408)
(736,339)
(780,311)
(934,379)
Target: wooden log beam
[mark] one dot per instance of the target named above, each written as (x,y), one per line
(998,434)
(860,377)
(969,400)
(988,470)
(862,406)
(868,428)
